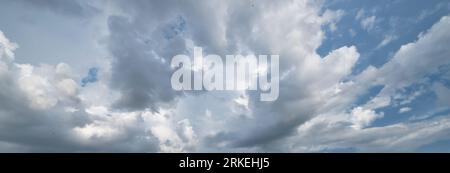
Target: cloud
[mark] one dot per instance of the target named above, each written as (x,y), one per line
(328,134)
(362,117)
(126,103)
(410,65)
(404,109)
(140,69)
(137,69)
(29,117)
(360,14)
(386,40)
(404,68)
(368,23)
(43,109)
(443,94)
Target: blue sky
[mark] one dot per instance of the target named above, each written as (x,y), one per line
(93,76)
(403,21)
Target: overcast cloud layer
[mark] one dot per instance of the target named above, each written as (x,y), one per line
(94,76)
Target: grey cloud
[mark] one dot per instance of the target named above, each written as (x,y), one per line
(33,114)
(50,130)
(141,52)
(227,28)
(138,71)
(298,100)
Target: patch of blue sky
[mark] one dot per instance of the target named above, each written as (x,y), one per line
(394,24)
(364,98)
(175,28)
(442,75)
(91,77)
(420,106)
(419,99)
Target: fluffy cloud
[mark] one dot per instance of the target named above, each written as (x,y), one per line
(44,109)
(363,117)
(141,49)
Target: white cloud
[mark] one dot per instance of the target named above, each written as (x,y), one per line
(360,14)
(45,86)
(404,109)
(386,40)
(363,117)
(368,23)
(6,48)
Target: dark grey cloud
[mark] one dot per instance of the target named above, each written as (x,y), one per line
(141,68)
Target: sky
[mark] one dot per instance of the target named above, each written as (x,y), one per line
(94,76)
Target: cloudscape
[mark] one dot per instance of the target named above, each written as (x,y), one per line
(349,76)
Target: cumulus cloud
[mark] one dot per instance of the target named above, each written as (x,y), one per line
(363,117)
(44,109)
(141,52)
